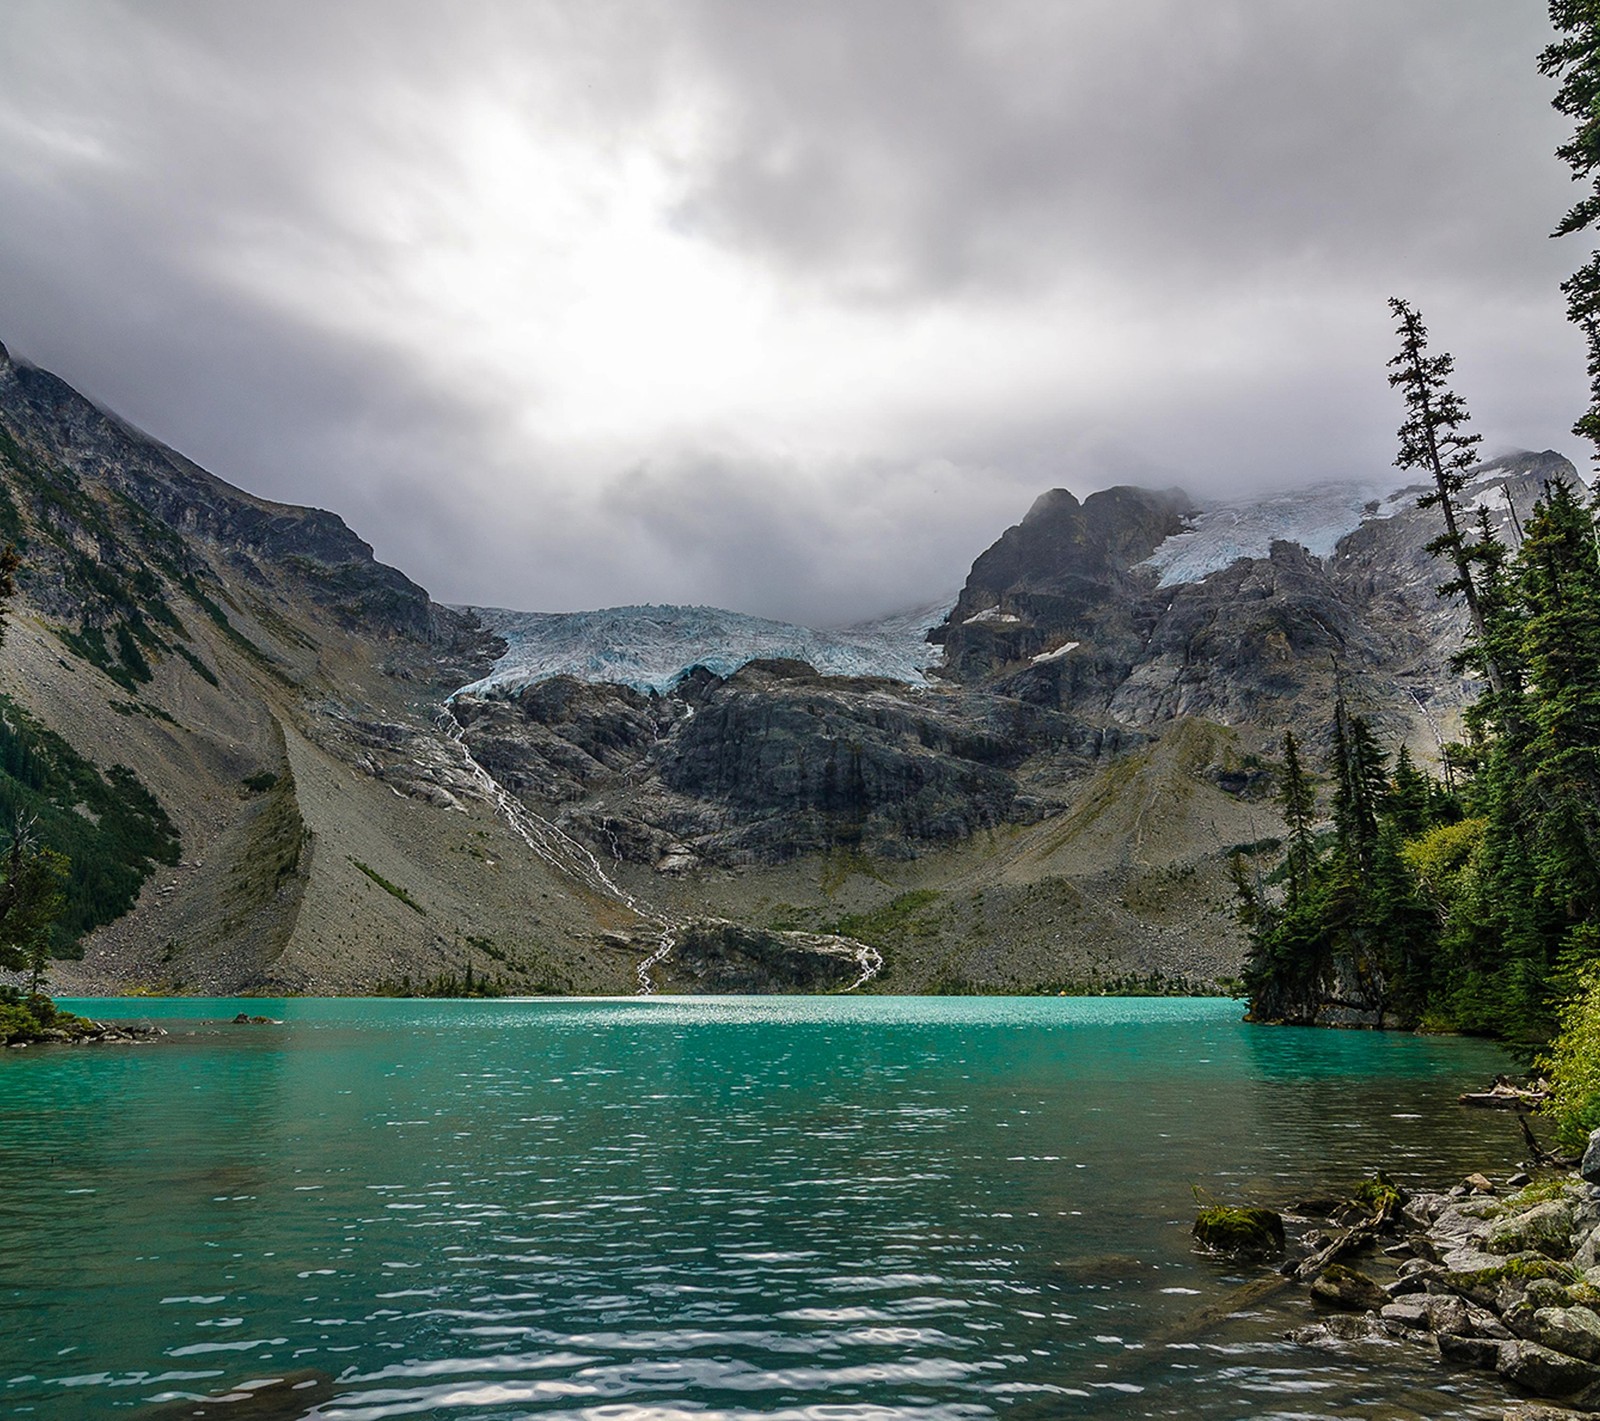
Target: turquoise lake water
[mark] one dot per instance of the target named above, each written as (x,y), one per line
(693,1209)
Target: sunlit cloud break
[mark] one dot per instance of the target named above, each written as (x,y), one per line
(785,307)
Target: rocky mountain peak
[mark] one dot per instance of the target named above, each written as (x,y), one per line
(1047,580)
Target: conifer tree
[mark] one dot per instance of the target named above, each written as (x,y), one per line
(1410,806)
(1359,789)
(31,899)
(1299,808)
(1559,566)
(1574,59)
(1433,439)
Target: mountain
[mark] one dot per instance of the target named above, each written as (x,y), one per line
(249,673)
(283,767)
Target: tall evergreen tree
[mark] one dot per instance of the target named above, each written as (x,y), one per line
(1359,789)
(1299,809)
(1433,439)
(1559,566)
(1410,804)
(31,899)
(1574,60)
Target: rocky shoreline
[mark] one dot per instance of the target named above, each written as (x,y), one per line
(1499,1276)
(80,1031)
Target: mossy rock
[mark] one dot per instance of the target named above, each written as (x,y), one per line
(1545,1228)
(1239,1232)
(1341,1287)
(1378,1195)
(1485,1285)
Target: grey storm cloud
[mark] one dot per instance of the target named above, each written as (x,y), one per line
(789,307)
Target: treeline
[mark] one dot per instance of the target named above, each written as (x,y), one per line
(1473,903)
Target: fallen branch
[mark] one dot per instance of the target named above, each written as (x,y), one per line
(1541,1155)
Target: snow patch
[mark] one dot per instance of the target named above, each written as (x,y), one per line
(1058,653)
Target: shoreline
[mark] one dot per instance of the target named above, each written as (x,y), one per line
(1491,1275)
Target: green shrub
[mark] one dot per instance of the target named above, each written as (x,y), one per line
(1573,1064)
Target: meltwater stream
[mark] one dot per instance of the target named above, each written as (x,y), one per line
(823,1209)
(552,844)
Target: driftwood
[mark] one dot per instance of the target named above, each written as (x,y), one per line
(1504,1095)
(1352,1240)
(1148,1357)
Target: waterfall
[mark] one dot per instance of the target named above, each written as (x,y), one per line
(552,844)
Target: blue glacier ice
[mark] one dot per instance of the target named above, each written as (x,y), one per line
(1316,517)
(651,647)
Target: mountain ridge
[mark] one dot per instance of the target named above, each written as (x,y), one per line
(359,804)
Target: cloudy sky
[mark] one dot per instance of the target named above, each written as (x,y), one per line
(783,305)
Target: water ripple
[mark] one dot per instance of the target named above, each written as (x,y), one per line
(686,1211)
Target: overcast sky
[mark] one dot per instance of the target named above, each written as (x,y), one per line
(782,305)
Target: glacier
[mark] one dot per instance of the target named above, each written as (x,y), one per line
(652,648)
(1219,534)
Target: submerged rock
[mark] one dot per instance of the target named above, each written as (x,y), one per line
(282,1398)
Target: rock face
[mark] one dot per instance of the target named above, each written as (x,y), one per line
(273,688)
(716,956)
(1067,572)
(773,763)
(169,505)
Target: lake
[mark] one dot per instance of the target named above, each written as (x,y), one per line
(812,1209)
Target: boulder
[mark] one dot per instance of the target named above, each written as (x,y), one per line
(1449,1315)
(1546,1293)
(1471,1260)
(1589,1166)
(1241,1232)
(1411,1313)
(1341,1287)
(1545,1228)
(1423,1209)
(1483,1323)
(1587,1253)
(1543,1372)
(1470,1351)
(1342,1327)
(1572,1330)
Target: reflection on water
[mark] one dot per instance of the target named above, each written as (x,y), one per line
(829,1209)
